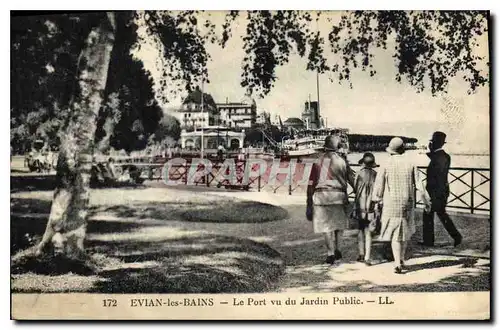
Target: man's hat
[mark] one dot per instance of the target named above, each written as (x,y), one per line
(395,147)
(332,143)
(438,137)
(368,160)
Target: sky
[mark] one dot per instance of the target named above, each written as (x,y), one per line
(375,105)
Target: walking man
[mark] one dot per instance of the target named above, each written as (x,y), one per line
(439,190)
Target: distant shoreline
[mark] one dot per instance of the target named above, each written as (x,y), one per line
(468,154)
(422,152)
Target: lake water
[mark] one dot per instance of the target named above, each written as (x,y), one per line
(463,197)
(461,181)
(420,158)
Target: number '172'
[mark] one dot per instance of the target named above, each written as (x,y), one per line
(109,302)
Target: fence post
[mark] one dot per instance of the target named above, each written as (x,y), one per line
(186,174)
(290,177)
(415,196)
(258,182)
(472,191)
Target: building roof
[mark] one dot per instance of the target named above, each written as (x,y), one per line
(233,104)
(246,101)
(194,107)
(293,121)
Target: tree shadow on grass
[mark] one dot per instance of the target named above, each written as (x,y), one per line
(32,183)
(31,216)
(37,182)
(49,264)
(198,264)
(195,264)
(30,206)
(466,282)
(223,211)
(471,276)
(192,278)
(227,210)
(25,232)
(465,262)
(140,249)
(136,258)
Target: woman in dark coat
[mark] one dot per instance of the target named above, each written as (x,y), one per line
(363,206)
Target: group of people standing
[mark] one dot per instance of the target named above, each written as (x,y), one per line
(385,199)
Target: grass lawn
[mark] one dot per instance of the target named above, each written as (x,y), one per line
(140,240)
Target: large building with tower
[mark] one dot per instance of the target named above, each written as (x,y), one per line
(311,116)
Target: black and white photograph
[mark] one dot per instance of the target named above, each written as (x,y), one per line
(224,164)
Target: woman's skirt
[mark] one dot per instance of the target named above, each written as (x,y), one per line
(397,229)
(328,218)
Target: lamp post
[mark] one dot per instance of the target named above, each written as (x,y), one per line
(317,91)
(202,142)
(218,130)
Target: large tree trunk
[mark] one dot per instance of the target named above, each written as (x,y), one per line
(66,228)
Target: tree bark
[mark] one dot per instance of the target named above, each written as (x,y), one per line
(66,227)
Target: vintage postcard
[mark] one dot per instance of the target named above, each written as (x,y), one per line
(181,165)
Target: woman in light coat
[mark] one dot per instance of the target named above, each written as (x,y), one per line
(395,187)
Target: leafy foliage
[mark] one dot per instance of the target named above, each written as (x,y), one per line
(132,110)
(429,47)
(168,131)
(180,37)
(43,71)
(270,39)
(45,52)
(131,105)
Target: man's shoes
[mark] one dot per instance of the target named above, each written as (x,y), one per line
(426,244)
(330,260)
(398,270)
(457,241)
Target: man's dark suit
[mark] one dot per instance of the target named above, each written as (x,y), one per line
(439,190)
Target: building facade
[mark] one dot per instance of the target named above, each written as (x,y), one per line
(238,114)
(191,117)
(212,139)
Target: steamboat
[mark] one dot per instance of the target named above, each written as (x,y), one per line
(310,141)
